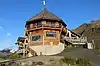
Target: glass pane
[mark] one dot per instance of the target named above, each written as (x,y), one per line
(35,25)
(35,38)
(51,34)
(53,24)
(44,22)
(57,24)
(48,23)
(39,24)
(31,25)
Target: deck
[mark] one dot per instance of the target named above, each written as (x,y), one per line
(75,40)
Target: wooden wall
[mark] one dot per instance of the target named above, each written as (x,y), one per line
(51,40)
(44,39)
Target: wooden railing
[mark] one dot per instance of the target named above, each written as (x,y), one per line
(32,51)
(36,43)
(73,40)
(44,25)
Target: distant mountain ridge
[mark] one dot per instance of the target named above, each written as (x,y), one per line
(5,52)
(90,30)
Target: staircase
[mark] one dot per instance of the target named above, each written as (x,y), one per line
(75,40)
(32,51)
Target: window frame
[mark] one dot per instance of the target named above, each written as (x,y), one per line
(38,38)
(52,36)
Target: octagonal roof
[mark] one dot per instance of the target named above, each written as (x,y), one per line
(45,14)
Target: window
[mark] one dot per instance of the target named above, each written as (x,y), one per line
(22,41)
(28,26)
(31,25)
(35,25)
(39,24)
(36,38)
(60,24)
(48,23)
(51,34)
(57,24)
(26,41)
(44,22)
(53,24)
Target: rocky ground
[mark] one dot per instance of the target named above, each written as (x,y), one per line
(91,31)
(36,61)
(47,61)
(91,55)
(74,53)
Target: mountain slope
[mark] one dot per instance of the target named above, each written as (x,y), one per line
(91,31)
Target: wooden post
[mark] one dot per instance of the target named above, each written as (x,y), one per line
(29,41)
(23,50)
(93,44)
(60,33)
(42,35)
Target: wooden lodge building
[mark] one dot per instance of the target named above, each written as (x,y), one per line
(46,34)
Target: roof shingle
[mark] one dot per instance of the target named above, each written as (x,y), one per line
(45,14)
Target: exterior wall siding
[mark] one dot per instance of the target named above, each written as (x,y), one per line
(51,40)
(45,39)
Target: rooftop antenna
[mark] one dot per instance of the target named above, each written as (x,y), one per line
(44,3)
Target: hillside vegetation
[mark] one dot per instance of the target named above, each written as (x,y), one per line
(91,31)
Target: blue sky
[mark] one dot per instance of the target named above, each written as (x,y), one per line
(15,13)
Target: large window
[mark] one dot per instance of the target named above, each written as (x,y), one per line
(51,34)
(36,38)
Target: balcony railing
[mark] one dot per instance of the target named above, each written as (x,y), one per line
(44,25)
(35,43)
(73,40)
